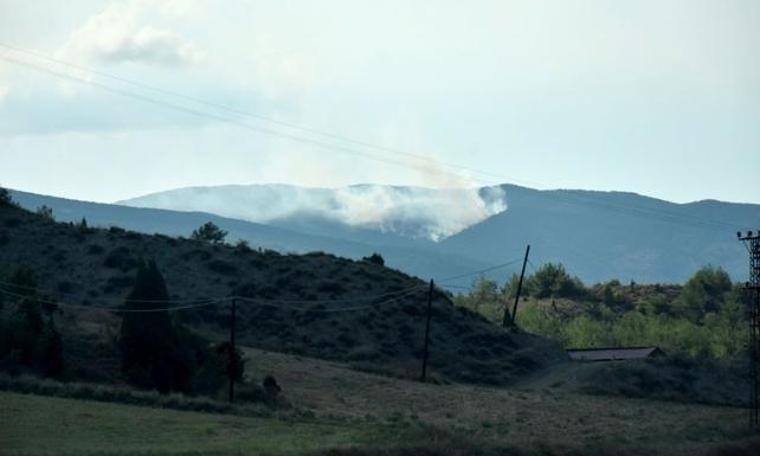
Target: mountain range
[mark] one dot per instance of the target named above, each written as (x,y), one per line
(443,234)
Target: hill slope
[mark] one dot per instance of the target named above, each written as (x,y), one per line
(343,241)
(297,303)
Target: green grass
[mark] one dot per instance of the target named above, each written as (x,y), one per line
(38,425)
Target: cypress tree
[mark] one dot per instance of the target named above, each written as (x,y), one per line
(148,339)
(52,350)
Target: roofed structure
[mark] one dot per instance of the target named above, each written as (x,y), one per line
(613,353)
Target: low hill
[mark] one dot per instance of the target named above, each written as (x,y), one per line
(316,304)
(292,237)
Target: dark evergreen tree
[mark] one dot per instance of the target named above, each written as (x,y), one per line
(150,349)
(24,325)
(52,350)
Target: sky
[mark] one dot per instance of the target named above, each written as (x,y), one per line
(657,97)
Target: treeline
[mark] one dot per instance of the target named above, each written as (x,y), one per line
(705,316)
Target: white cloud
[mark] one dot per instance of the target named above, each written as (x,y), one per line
(118,34)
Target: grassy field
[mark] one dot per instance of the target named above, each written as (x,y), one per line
(43,425)
(535,413)
(361,413)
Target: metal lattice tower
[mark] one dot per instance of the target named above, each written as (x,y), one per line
(752,242)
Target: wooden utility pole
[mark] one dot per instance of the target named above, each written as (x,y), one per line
(232,362)
(519,289)
(423,377)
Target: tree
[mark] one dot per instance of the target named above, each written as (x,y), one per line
(52,350)
(24,282)
(46,213)
(484,298)
(5,197)
(23,327)
(148,340)
(704,292)
(375,258)
(209,232)
(551,280)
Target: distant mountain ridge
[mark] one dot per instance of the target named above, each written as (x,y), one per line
(597,235)
(401,212)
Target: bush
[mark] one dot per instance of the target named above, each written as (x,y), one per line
(242,247)
(120,258)
(222,267)
(95,249)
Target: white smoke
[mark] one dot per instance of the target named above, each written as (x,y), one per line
(416,212)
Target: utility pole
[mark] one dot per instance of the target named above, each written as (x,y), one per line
(423,377)
(232,362)
(752,242)
(519,290)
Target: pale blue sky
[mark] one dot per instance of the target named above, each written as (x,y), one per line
(656,97)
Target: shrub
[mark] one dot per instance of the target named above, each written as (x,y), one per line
(242,247)
(95,249)
(222,267)
(120,258)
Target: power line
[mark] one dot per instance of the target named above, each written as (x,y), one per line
(126,93)
(481,271)
(209,302)
(112,309)
(330,301)
(663,215)
(333,310)
(237,111)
